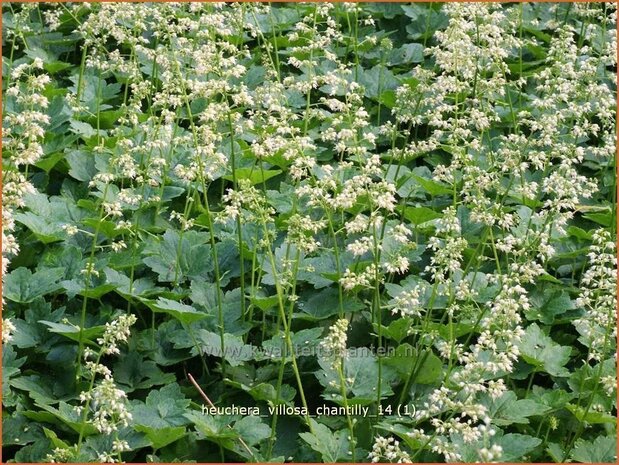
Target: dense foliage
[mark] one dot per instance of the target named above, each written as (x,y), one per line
(367,232)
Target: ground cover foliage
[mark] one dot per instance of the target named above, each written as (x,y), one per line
(406,211)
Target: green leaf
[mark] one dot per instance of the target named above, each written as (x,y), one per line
(26,334)
(304,343)
(162,409)
(386,10)
(361,371)
(547,306)
(376,80)
(516,446)
(252,430)
(93,445)
(507,409)
(605,219)
(388,98)
(265,303)
(323,267)
(579,233)
(254,175)
(10,366)
(553,398)
(18,431)
(161,437)
(38,388)
(82,165)
(332,446)
(50,161)
(186,314)
(432,187)
(542,352)
(108,229)
(53,437)
(583,380)
(419,215)
(401,430)
(34,453)
(95,290)
(54,67)
(140,287)
(397,329)
(218,429)
(281,200)
(44,221)
(325,303)
(267,392)
(425,19)
(73,332)
(66,414)
(83,129)
(602,450)
(556,452)
(213,428)
(408,53)
(593,417)
(132,372)
(23,286)
(428,367)
(235,352)
(204,294)
(159,345)
(176,258)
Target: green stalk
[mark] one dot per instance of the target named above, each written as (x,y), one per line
(238,218)
(282,314)
(344,394)
(87,280)
(280,376)
(209,222)
(87,407)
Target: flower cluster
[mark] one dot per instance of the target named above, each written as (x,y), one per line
(109,406)
(599,298)
(334,345)
(116,331)
(388,449)
(23,130)
(7,330)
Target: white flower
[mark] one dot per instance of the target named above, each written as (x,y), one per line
(108,404)
(70,229)
(388,449)
(360,246)
(334,344)
(116,331)
(407,302)
(492,454)
(7,330)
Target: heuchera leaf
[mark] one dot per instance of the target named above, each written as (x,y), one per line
(184,313)
(161,409)
(602,449)
(332,446)
(542,352)
(23,286)
(508,409)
